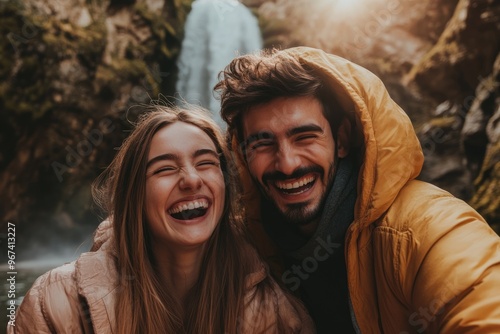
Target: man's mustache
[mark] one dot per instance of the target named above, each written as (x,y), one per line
(299,172)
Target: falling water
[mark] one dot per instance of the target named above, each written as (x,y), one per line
(216,31)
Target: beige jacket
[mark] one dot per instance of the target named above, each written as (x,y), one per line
(79,297)
(418,259)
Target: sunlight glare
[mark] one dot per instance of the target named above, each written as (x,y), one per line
(348,6)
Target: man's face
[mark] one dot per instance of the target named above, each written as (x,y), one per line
(290,152)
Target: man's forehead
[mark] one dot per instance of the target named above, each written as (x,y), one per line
(283,114)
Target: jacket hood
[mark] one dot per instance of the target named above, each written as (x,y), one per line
(390,152)
(103,237)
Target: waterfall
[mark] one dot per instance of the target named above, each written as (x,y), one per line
(216,31)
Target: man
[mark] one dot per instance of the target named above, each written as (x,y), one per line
(328,162)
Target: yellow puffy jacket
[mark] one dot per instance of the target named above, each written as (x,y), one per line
(418,259)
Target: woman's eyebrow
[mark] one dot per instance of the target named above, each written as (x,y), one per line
(166,156)
(204,151)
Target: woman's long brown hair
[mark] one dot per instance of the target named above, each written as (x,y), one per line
(146,304)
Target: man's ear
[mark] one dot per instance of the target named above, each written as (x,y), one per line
(343,138)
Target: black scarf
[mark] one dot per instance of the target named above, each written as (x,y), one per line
(323,279)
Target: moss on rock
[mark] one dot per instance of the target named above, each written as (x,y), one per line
(486,200)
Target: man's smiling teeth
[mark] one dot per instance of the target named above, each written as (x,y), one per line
(296,184)
(201,203)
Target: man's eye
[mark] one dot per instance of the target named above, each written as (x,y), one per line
(306,137)
(261,144)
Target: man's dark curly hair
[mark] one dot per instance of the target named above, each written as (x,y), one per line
(255,79)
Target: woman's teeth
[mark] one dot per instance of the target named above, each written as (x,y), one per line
(198,204)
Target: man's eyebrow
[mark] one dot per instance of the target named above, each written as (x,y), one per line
(166,156)
(304,128)
(257,136)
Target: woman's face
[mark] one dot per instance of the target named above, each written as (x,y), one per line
(184,187)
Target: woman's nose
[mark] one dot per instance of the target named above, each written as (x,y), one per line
(190,179)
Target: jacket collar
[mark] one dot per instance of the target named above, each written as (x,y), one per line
(97,279)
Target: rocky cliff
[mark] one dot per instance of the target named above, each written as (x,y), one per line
(461,72)
(69,71)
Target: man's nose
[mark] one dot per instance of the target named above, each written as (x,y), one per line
(287,160)
(190,179)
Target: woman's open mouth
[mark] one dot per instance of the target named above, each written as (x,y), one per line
(189,210)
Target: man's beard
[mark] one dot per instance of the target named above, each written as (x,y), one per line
(298,213)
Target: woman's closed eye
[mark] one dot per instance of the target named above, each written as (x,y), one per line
(208,163)
(164,169)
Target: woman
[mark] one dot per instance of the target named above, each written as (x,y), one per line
(174,259)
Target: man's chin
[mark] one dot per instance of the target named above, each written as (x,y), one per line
(299,214)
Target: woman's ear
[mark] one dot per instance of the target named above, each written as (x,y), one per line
(343,137)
